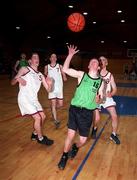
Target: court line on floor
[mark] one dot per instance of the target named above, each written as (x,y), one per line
(19,115)
(14,117)
(90,151)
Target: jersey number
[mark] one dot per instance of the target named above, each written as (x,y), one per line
(96,85)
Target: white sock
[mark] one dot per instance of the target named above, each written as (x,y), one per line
(114,133)
(35,133)
(41,138)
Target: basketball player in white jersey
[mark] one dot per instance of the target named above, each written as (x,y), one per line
(108,101)
(54,71)
(30,79)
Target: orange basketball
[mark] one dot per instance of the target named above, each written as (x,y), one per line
(76,22)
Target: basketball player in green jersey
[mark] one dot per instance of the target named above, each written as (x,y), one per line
(21,63)
(82,105)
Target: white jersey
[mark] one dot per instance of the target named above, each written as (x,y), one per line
(28,94)
(107,101)
(55,73)
(107,84)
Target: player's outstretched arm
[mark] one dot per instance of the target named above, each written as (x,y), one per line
(72,50)
(63,74)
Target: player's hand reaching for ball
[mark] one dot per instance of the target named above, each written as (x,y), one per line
(72,49)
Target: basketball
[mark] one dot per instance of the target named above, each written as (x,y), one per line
(76,22)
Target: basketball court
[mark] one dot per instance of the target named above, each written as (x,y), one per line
(97,28)
(99,159)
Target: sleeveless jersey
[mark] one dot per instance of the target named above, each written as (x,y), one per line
(107,85)
(86,91)
(23,63)
(107,101)
(33,84)
(55,73)
(28,94)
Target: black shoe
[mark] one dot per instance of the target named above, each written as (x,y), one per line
(46,141)
(115,139)
(73,151)
(34,137)
(57,123)
(93,133)
(63,161)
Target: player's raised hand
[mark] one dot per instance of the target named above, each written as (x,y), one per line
(72,49)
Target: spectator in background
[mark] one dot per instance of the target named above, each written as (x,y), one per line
(126,71)
(22,62)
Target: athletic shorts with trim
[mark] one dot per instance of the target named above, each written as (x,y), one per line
(28,106)
(80,119)
(56,94)
(109,102)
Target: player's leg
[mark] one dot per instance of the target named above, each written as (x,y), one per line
(59,103)
(84,120)
(72,128)
(76,146)
(53,108)
(96,119)
(43,117)
(54,112)
(68,143)
(37,125)
(38,129)
(34,135)
(114,117)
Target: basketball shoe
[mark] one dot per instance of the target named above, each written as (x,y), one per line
(115,138)
(63,161)
(93,133)
(45,141)
(57,123)
(34,137)
(73,151)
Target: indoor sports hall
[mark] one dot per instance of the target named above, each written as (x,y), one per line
(37,37)
(22,158)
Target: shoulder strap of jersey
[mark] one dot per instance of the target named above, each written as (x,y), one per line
(109,75)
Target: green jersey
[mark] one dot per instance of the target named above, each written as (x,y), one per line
(23,63)
(86,91)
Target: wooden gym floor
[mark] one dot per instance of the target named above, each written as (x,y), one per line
(100,159)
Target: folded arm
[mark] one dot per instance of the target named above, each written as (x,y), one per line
(18,78)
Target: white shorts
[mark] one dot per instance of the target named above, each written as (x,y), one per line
(109,102)
(56,94)
(28,106)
